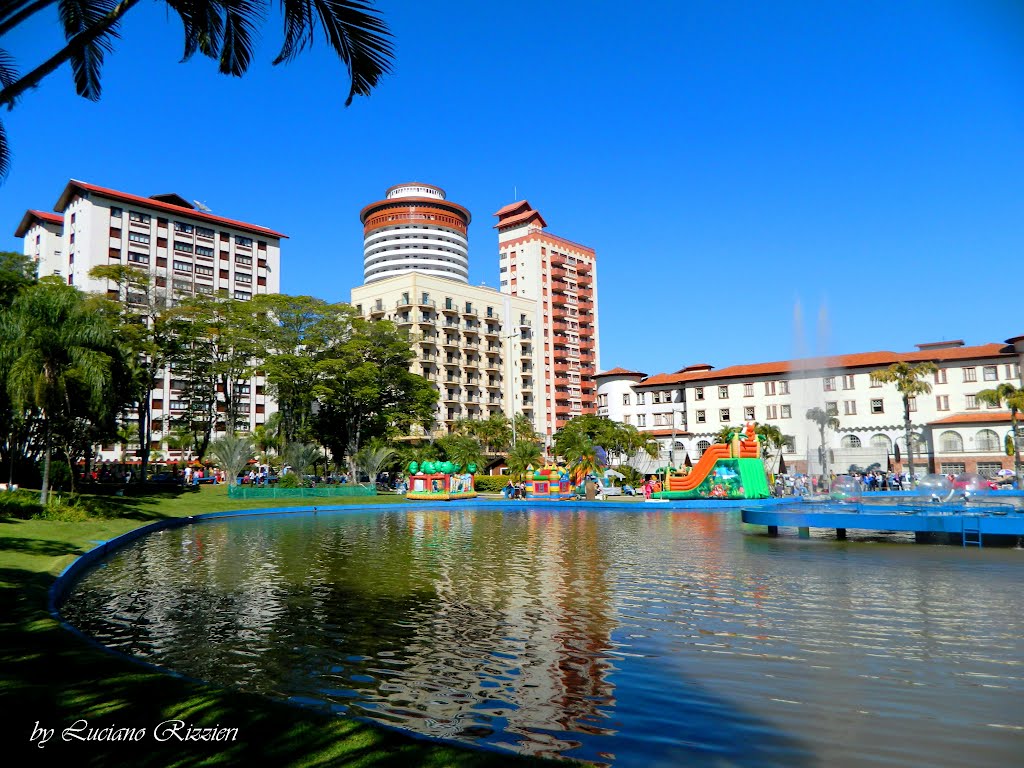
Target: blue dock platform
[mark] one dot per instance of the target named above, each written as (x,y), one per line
(969,523)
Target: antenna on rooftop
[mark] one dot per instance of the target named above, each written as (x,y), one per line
(201,206)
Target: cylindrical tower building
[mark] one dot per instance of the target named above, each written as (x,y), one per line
(414,229)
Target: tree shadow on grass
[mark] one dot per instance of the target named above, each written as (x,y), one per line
(41,547)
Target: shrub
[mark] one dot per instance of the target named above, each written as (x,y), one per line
(490,483)
(291,480)
(20,504)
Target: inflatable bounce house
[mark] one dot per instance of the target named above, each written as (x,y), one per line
(732,470)
(549,483)
(440,481)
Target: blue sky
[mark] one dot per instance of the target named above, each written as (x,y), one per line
(729,161)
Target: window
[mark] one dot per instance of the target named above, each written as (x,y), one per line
(850,441)
(881,443)
(641,420)
(787,412)
(942,402)
(748,390)
(877,406)
(771,412)
(698,393)
(829,383)
(849,407)
(202,250)
(243,295)
(748,413)
(115,213)
(142,218)
(702,417)
(640,398)
(241,277)
(723,414)
(988,441)
(848,381)
(178,405)
(183,247)
(951,442)
(201,270)
(789,445)
(992,406)
(182,266)
(136,237)
(204,232)
(182,285)
(989,468)
(990,373)
(625,399)
(247,260)
(783,387)
(625,419)
(184,228)
(832,408)
(970,374)
(972,402)
(953,467)
(663,419)
(940,376)
(138,258)
(702,445)
(912,404)
(245,241)
(723,392)
(769,387)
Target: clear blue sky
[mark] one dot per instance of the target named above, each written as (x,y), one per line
(726,159)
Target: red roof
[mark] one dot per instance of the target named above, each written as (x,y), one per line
(31,215)
(856,360)
(520,218)
(665,432)
(983,417)
(620,372)
(413,202)
(512,208)
(157,205)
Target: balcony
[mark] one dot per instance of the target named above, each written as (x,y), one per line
(492,365)
(403,303)
(469,311)
(472,362)
(451,342)
(377,310)
(427,303)
(493,384)
(449,308)
(492,331)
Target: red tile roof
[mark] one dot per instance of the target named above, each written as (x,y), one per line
(157,205)
(520,218)
(31,215)
(838,362)
(512,208)
(665,432)
(983,417)
(620,372)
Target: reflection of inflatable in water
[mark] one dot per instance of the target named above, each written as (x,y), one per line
(440,481)
(731,470)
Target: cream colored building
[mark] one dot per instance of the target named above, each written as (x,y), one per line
(187,251)
(474,343)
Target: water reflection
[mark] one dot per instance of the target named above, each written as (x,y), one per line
(620,638)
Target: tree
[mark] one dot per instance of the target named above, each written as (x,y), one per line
(231,453)
(524,454)
(301,457)
(824,420)
(51,348)
(461,449)
(494,432)
(17,272)
(372,457)
(223,30)
(771,438)
(1013,398)
(580,454)
(612,436)
(909,381)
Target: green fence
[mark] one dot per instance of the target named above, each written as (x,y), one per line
(320,492)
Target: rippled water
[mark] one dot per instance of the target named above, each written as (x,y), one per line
(623,638)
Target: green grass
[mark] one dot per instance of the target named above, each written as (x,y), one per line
(51,677)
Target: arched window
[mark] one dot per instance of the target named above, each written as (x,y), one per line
(702,446)
(881,443)
(920,446)
(951,442)
(850,441)
(987,440)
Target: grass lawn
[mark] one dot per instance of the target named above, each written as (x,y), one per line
(52,678)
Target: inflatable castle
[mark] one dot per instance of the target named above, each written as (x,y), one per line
(548,483)
(731,470)
(440,481)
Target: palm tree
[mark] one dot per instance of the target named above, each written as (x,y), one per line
(580,454)
(1013,397)
(824,420)
(372,456)
(524,454)
(49,346)
(909,381)
(461,449)
(302,456)
(219,29)
(232,453)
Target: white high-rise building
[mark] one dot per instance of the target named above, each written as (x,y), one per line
(187,251)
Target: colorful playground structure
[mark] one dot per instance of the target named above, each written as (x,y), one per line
(732,470)
(440,481)
(549,483)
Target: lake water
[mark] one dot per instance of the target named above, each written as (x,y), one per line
(647,638)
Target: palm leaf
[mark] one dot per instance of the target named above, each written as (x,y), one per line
(240,21)
(357,35)
(204,26)
(78,16)
(5,153)
(8,72)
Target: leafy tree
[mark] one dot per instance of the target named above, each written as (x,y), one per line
(461,449)
(231,453)
(17,272)
(372,457)
(301,457)
(524,454)
(222,30)
(613,436)
(909,381)
(824,420)
(52,348)
(580,454)
(1013,398)
(494,432)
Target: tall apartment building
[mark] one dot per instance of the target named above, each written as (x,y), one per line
(684,410)
(561,277)
(186,250)
(474,343)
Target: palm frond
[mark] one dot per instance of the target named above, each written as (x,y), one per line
(78,16)
(8,71)
(5,153)
(298,30)
(204,26)
(241,18)
(359,37)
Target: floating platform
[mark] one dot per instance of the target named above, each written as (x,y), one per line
(968,523)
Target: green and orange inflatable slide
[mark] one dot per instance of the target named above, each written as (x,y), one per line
(732,470)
